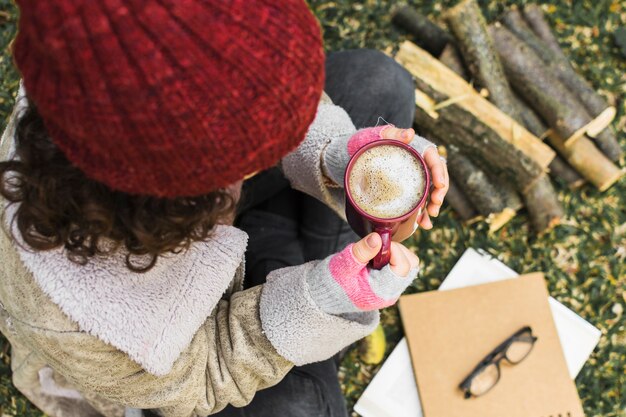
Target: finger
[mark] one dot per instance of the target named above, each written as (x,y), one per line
(367,248)
(398,262)
(414,261)
(403,135)
(425,222)
(436,167)
(436,200)
(433,208)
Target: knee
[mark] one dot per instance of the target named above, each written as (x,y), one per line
(384,77)
(385,72)
(372,65)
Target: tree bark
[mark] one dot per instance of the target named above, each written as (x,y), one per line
(461,96)
(544,208)
(536,84)
(560,66)
(530,120)
(451,57)
(474,183)
(456,127)
(507,191)
(476,46)
(459,202)
(427,34)
(475,138)
(558,167)
(535,18)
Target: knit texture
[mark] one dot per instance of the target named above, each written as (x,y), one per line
(171,98)
(341,284)
(298,328)
(339,152)
(302,167)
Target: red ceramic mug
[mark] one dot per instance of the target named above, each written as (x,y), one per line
(396,228)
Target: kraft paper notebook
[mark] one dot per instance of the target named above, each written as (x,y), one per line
(449,332)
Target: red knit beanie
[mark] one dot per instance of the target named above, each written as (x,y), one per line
(171,97)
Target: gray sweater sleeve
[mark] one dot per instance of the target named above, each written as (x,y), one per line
(297,327)
(303,166)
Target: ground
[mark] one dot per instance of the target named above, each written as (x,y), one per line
(584,258)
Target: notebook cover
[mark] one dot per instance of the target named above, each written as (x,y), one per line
(449,332)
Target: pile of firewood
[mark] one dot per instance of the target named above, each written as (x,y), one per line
(491,93)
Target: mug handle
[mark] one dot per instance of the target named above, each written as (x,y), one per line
(383,256)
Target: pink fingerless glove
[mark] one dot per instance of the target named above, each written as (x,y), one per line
(341,284)
(339,151)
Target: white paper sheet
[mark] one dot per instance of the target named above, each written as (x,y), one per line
(393,392)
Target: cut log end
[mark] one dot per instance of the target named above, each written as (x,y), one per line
(497,220)
(588,161)
(612,180)
(601,121)
(595,128)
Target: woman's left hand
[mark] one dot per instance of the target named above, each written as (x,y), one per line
(438,174)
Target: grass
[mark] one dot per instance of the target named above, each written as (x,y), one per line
(584,258)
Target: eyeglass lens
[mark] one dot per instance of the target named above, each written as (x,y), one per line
(489,376)
(519,349)
(485,380)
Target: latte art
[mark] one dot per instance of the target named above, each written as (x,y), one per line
(386,181)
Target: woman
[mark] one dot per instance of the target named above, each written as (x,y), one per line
(123,278)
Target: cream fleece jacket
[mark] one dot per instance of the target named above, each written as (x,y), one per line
(183,338)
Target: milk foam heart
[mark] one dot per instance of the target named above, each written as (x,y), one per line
(387,181)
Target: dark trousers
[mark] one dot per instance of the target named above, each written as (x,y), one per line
(287,228)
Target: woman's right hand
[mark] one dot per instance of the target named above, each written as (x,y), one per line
(343,283)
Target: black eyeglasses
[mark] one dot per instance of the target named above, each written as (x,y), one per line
(487,373)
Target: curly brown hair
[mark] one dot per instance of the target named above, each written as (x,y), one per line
(60,206)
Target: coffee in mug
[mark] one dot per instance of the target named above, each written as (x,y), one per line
(386,185)
(387,181)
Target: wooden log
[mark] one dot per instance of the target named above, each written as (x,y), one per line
(474,137)
(592,100)
(507,191)
(530,120)
(462,129)
(474,183)
(469,27)
(560,66)
(607,142)
(459,202)
(588,161)
(429,70)
(536,84)
(558,168)
(544,208)
(535,18)
(427,34)
(553,100)
(561,170)
(451,58)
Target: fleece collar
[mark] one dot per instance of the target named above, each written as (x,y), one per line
(150,316)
